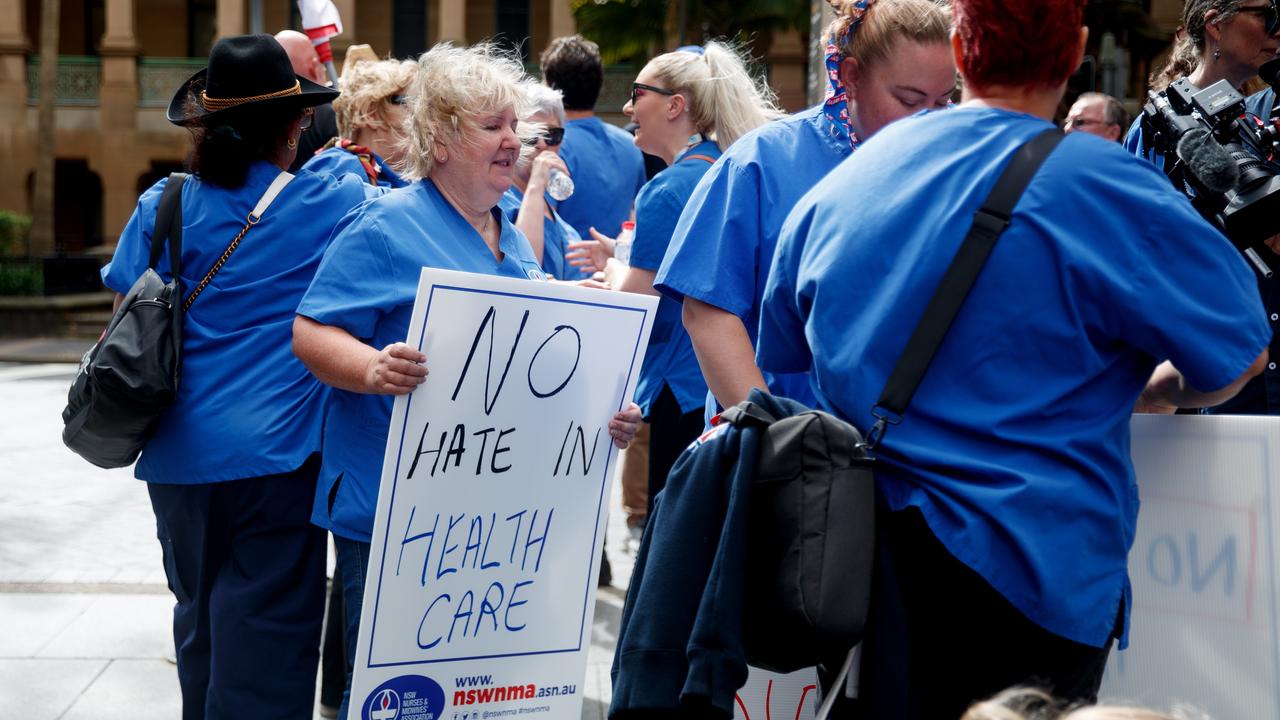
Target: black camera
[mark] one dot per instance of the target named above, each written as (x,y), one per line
(1220,157)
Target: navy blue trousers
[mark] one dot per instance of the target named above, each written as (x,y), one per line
(247,568)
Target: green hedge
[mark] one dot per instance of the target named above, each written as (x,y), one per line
(13,233)
(21,279)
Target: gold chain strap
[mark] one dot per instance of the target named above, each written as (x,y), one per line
(218,265)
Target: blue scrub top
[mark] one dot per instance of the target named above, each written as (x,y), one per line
(339,161)
(366,285)
(670,359)
(1016,444)
(556,236)
(1261,395)
(722,247)
(607,172)
(246,406)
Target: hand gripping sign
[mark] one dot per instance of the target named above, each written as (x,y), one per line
(492,508)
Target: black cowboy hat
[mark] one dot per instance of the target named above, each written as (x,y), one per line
(244,70)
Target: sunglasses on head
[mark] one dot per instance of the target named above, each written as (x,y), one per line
(398,99)
(552,136)
(637,87)
(1269,13)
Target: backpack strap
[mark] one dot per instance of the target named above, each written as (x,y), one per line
(988,223)
(169,224)
(747,413)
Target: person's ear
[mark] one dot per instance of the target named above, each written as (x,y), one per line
(957,53)
(676,106)
(1084,43)
(1114,131)
(1212,33)
(849,74)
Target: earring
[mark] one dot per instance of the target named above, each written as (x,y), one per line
(1217,52)
(293,143)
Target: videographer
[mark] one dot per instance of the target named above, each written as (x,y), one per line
(1229,40)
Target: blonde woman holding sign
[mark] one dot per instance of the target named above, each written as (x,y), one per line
(463,149)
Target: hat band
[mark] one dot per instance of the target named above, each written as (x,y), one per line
(212,104)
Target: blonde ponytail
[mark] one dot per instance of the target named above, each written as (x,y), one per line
(724,100)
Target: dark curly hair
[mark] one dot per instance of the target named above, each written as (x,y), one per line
(572,65)
(223,150)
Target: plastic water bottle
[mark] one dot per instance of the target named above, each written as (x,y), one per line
(622,243)
(559,185)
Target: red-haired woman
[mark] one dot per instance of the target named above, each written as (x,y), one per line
(1006,495)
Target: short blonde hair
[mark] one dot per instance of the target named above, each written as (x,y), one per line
(452,89)
(725,101)
(365,86)
(886,23)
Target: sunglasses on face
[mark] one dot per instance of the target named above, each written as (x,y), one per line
(307,116)
(636,88)
(552,136)
(1269,13)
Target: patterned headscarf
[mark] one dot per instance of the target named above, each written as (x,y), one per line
(836,103)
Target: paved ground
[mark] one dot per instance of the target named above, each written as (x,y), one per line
(84,611)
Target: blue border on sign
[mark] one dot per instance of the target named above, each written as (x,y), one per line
(373,628)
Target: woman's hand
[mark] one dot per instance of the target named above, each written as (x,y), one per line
(540,172)
(396,370)
(591,255)
(623,426)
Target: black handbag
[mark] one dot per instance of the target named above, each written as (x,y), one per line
(130,377)
(811,520)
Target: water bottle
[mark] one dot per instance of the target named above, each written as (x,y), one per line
(622,243)
(559,185)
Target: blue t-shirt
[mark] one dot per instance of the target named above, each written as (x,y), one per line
(607,172)
(366,285)
(246,406)
(723,245)
(1016,445)
(670,359)
(1261,395)
(339,161)
(556,236)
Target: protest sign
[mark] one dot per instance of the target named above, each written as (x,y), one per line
(491,512)
(1204,568)
(774,696)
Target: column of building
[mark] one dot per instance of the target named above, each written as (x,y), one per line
(119,159)
(17,141)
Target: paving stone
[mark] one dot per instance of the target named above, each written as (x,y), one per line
(32,621)
(118,626)
(41,689)
(131,690)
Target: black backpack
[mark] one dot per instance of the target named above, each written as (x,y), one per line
(811,541)
(130,377)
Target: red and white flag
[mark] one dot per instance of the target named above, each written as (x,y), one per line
(320,21)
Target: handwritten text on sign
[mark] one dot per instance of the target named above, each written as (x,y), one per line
(491,510)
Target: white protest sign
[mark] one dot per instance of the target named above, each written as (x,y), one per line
(491,513)
(769,695)
(1204,568)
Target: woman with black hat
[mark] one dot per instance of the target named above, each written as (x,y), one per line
(231,469)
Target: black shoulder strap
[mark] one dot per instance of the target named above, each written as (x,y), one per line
(988,223)
(169,223)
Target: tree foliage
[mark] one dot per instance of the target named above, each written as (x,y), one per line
(634,30)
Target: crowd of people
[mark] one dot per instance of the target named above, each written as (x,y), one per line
(792,253)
